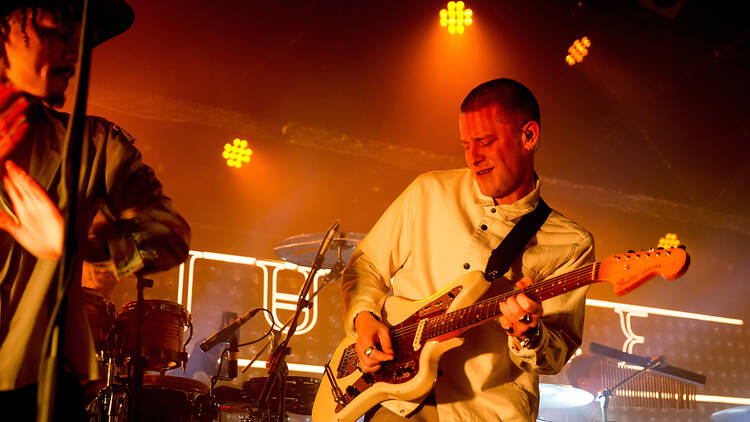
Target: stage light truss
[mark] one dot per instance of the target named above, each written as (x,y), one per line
(456,17)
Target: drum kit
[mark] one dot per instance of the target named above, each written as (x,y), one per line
(163,344)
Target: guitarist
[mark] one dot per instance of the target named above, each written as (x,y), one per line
(447,223)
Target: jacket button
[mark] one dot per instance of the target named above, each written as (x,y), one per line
(484,227)
(467,266)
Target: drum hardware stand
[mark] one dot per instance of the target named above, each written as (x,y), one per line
(138,363)
(277,367)
(604,395)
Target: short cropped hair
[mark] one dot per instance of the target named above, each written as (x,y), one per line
(511,96)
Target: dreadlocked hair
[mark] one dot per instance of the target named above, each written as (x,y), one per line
(63,11)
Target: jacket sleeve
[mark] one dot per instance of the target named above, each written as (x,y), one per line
(142,230)
(385,249)
(562,323)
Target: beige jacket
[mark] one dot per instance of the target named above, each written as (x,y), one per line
(438,229)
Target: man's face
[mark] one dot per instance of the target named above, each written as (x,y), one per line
(43,66)
(501,163)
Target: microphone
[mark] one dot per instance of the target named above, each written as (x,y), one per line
(233,351)
(225,333)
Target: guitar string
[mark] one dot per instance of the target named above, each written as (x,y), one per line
(573,275)
(561,281)
(565,279)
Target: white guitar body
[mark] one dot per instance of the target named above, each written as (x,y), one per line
(423,330)
(400,398)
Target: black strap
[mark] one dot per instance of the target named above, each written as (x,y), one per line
(503,256)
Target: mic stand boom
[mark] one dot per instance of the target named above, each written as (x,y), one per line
(277,368)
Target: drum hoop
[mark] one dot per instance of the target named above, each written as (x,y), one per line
(152,305)
(170,382)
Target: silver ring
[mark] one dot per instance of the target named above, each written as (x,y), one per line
(369,351)
(526,319)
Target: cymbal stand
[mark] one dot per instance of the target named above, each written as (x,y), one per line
(604,395)
(277,367)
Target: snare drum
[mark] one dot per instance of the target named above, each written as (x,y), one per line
(101,315)
(164,323)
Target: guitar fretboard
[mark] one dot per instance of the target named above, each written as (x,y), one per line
(490,308)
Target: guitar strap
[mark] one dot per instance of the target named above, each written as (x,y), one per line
(508,250)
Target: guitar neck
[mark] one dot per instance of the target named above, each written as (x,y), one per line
(490,308)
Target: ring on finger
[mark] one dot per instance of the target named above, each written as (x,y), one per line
(526,319)
(369,351)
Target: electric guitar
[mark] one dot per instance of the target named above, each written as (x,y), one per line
(422,331)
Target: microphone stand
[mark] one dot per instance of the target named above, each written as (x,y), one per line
(70,173)
(277,367)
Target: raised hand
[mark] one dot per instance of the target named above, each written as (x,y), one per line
(40,225)
(14,125)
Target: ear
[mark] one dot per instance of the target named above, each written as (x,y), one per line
(530,136)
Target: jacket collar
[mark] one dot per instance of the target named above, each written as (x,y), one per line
(510,211)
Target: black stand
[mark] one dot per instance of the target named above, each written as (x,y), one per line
(604,395)
(138,362)
(277,367)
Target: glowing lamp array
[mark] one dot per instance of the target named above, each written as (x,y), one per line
(669,240)
(456,17)
(578,51)
(237,153)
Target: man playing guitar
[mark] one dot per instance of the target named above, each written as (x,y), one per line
(446,224)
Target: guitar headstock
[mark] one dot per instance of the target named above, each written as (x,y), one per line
(629,270)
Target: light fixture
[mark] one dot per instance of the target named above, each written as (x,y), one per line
(237,153)
(456,17)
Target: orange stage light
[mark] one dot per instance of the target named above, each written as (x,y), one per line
(456,17)
(237,153)
(578,51)
(669,240)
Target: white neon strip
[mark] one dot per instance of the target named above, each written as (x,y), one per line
(665,396)
(191,273)
(299,367)
(179,283)
(661,311)
(722,399)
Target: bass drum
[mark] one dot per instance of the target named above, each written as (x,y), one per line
(164,399)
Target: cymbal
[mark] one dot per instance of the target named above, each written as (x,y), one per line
(302,248)
(733,414)
(555,396)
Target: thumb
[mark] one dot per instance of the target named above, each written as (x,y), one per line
(384,336)
(8,224)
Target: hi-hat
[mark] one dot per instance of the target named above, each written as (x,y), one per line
(555,396)
(302,248)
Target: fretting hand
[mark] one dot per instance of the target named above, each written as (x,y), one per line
(40,225)
(520,313)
